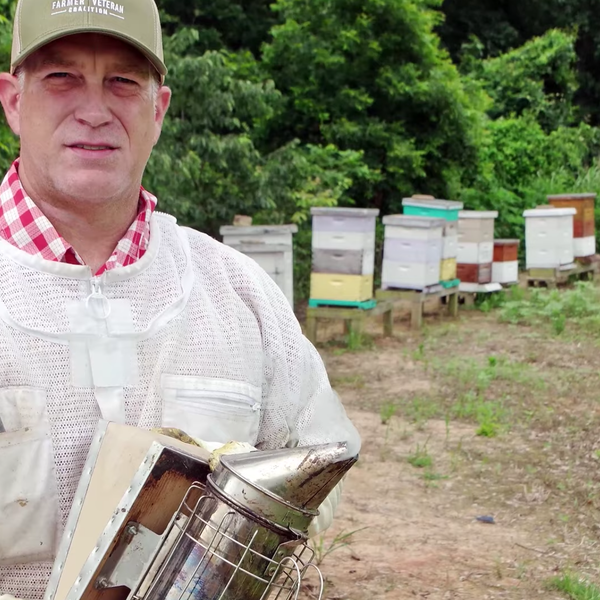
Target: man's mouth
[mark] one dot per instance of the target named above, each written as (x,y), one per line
(93,147)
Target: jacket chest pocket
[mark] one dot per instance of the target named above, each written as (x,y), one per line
(210,409)
(28,493)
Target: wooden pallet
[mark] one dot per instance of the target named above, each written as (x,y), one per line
(552,278)
(417,299)
(354,318)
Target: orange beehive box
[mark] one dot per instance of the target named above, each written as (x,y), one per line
(583,221)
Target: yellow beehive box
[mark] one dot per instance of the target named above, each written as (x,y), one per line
(448,269)
(350,288)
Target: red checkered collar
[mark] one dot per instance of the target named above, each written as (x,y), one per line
(24,225)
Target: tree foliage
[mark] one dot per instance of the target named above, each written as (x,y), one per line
(537,79)
(369,75)
(504,25)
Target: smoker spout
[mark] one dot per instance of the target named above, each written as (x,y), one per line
(301,476)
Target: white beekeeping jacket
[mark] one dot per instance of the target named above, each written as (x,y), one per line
(194,335)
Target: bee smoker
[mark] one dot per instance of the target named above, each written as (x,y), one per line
(238,533)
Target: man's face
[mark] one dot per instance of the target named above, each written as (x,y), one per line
(88,110)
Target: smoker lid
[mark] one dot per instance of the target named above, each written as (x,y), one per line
(302,476)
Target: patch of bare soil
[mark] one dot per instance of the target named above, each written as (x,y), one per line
(417,532)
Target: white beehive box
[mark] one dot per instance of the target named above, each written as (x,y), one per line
(412,252)
(343,254)
(505,268)
(549,237)
(476,236)
(343,229)
(271,247)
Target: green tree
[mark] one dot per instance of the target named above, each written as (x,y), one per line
(537,79)
(221,24)
(208,165)
(369,75)
(507,24)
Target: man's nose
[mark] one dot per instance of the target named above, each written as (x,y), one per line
(93,109)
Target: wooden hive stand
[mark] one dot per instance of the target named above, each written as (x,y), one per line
(417,299)
(354,315)
(583,269)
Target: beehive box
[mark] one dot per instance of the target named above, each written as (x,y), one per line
(448,210)
(474,273)
(343,254)
(549,237)
(505,268)
(476,236)
(412,252)
(419,206)
(584,228)
(271,247)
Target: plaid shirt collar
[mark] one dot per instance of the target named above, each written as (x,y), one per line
(24,225)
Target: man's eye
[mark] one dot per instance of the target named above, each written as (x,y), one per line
(59,75)
(124,80)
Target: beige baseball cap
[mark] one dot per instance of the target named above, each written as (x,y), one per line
(38,22)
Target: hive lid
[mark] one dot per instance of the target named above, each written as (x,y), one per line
(549,212)
(434,203)
(342,211)
(583,196)
(257,229)
(507,242)
(478,214)
(413,222)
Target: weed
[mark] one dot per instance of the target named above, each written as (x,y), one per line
(576,588)
(421,409)
(355,341)
(387,411)
(341,540)
(488,302)
(430,476)
(420,459)
(579,306)
(419,353)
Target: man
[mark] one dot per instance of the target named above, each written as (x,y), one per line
(109,309)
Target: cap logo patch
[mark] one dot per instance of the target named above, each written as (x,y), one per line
(101,7)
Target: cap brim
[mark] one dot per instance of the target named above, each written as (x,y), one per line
(158,64)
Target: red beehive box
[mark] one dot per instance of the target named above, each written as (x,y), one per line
(471,273)
(506,250)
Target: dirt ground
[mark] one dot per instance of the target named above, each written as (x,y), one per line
(425,476)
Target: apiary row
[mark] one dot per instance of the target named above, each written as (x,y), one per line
(434,243)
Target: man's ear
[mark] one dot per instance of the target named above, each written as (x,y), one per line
(163,99)
(10,97)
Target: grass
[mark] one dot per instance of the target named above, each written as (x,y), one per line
(387,411)
(480,375)
(355,341)
(576,588)
(577,308)
(420,458)
(491,393)
(341,540)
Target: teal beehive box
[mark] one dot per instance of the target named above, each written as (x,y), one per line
(432,207)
